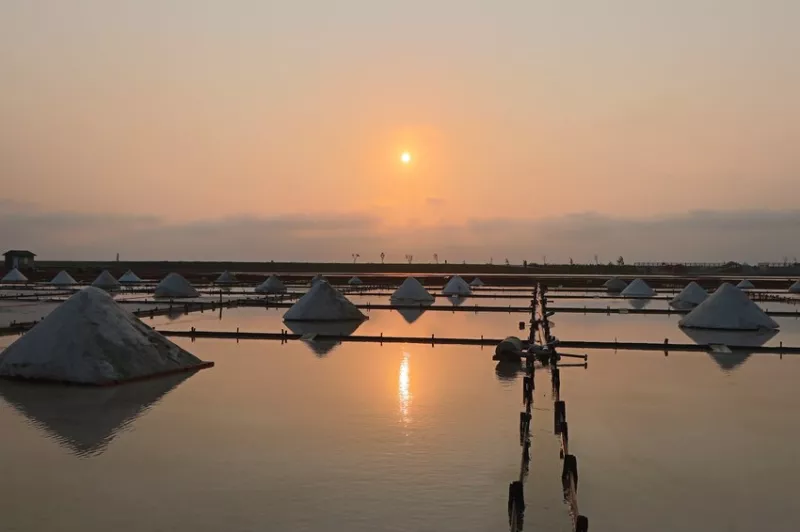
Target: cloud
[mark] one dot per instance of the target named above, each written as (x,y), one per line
(749,236)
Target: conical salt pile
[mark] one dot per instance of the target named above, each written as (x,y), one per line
(638,288)
(226,277)
(14,276)
(795,288)
(106,281)
(690,297)
(174,285)
(323,303)
(355,281)
(317,278)
(130,278)
(90,339)
(412,291)
(745,285)
(728,308)
(476,282)
(63,279)
(273,285)
(615,285)
(456,287)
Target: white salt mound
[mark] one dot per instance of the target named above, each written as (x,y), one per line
(273,285)
(456,286)
(476,282)
(728,308)
(412,291)
(615,285)
(63,279)
(226,277)
(130,278)
(105,281)
(323,303)
(355,281)
(14,276)
(176,286)
(795,288)
(745,285)
(90,339)
(690,297)
(638,288)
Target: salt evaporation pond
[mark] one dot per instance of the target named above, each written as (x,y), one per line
(410,437)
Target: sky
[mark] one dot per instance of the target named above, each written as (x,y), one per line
(272,130)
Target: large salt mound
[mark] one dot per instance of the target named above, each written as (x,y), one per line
(323,303)
(90,339)
(744,284)
(130,278)
(226,277)
(105,281)
(476,282)
(174,285)
(690,297)
(728,308)
(412,290)
(615,285)
(638,288)
(63,279)
(14,276)
(456,286)
(795,288)
(273,285)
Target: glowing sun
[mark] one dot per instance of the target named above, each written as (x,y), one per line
(405,157)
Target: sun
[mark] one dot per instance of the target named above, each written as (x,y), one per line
(405,157)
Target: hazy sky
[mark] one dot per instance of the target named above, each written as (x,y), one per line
(157,128)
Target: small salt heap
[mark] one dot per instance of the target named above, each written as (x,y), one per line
(226,277)
(14,276)
(323,303)
(273,285)
(175,285)
(63,279)
(130,278)
(412,291)
(456,286)
(106,281)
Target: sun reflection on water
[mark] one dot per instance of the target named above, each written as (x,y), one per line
(404,389)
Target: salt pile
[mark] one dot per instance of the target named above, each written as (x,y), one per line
(744,284)
(476,282)
(317,278)
(638,288)
(615,285)
(90,339)
(323,303)
(174,285)
(14,276)
(728,308)
(355,281)
(226,277)
(273,285)
(106,281)
(456,286)
(795,288)
(130,278)
(412,291)
(63,279)
(690,297)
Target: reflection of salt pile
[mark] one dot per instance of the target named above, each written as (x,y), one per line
(476,282)
(728,308)
(273,285)
(63,279)
(90,339)
(130,278)
(106,281)
(638,303)
(311,329)
(226,277)
(615,285)
(14,276)
(795,288)
(638,288)
(411,291)
(412,314)
(718,341)
(456,301)
(456,286)
(83,419)
(690,297)
(744,284)
(323,303)
(175,286)
(355,281)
